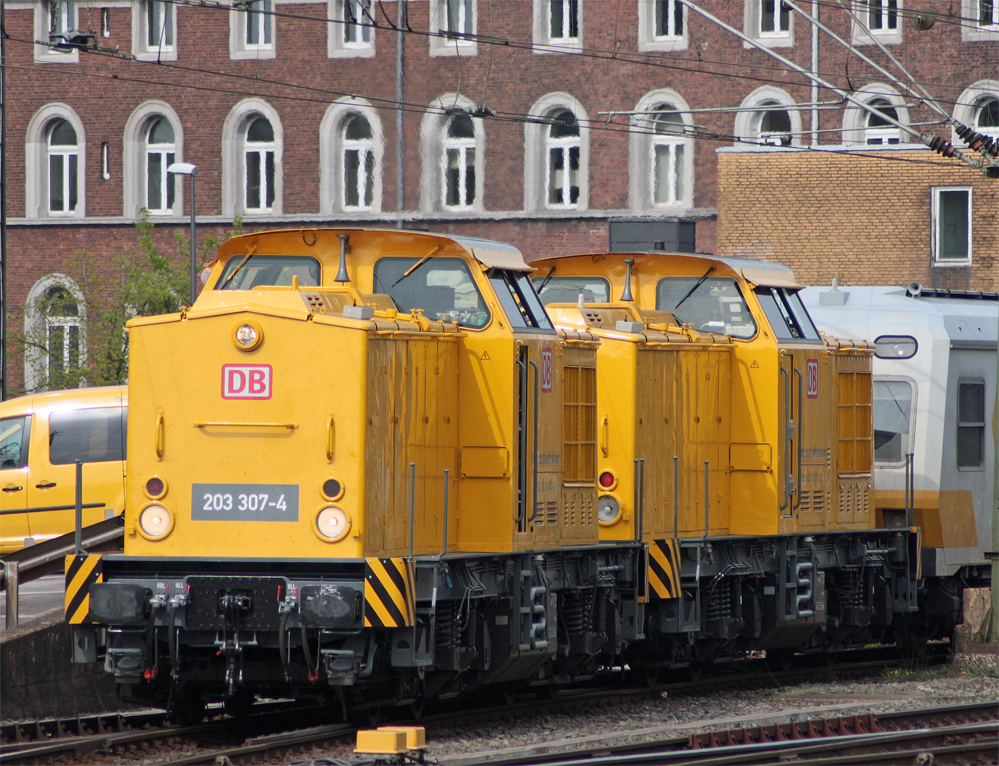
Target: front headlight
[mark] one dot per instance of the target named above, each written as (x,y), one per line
(155,522)
(608,510)
(332,524)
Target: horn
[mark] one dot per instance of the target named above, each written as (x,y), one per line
(626,295)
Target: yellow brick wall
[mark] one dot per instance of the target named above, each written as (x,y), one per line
(863,217)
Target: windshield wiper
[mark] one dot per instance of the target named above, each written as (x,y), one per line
(546,280)
(694,288)
(235,271)
(415,266)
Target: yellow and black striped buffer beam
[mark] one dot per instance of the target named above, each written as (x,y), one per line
(664,568)
(81,573)
(389,593)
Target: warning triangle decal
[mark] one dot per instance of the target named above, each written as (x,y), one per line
(755,365)
(484,357)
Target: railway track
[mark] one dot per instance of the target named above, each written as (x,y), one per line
(225,737)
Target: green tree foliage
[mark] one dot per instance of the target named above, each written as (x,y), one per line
(75,332)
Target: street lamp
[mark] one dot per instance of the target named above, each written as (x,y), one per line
(187,169)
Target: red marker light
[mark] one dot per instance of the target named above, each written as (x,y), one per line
(607,480)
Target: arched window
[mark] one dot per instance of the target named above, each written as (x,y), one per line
(358,170)
(62,335)
(667,156)
(987,116)
(160,154)
(562,180)
(775,125)
(63,168)
(258,153)
(459,163)
(879,130)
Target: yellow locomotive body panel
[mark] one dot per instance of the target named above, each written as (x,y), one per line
(779,463)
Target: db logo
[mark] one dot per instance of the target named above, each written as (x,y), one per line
(812,378)
(546,370)
(246,381)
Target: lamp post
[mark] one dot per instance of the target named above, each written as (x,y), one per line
(187,169)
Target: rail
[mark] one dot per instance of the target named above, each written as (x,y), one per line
(48,557)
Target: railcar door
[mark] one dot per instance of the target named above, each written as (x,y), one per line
(14,441)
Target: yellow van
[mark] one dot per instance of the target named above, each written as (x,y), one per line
(41,438)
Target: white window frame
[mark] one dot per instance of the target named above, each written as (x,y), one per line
(249,13)
(70,156)
(365,150)
(432,155)
(168,155)
(338,46)
(141,48)
(544,41)
(936,227)
(753,25)
(442,42)
(648,40)
(972,29)
(36,186)
(536,134)
(879,135)
(265,152)
(641,153)
(865,34)
(748,122)
(855,119)
(134,167)
(564,147)
(460,147)
(35,321)
(234,159)
(968,105)
(43,53)
(331,150)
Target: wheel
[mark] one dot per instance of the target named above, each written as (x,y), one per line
(509,695)
(416,709)
(187,710)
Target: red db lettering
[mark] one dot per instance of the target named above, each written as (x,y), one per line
(246,381)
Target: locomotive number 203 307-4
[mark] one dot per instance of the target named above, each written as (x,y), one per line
(244,502)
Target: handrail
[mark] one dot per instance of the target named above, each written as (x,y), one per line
(534,488)
(225,424)
(801,435)
(52,508)
(787,436)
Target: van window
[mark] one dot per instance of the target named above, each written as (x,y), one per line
(14,441)
(90,436)
(892,418)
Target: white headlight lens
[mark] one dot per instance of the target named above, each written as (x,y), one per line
(608,509)
(332,523)
(155,521)
(246,335)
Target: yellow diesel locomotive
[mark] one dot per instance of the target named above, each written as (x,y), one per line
(366,468)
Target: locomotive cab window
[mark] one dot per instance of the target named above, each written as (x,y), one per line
(786,313)
(711,304)
(519,300)
(442,287)
(250,272)
(568,289)
(892,420)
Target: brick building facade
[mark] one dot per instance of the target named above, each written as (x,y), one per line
(538,122)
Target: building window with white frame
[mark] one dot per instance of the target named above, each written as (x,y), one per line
(52,20)
(662,25)
(988,13)
(160,153)
(879,131)
(258,158)
(459,17)
(251,31)
(563,21)
(879,16)
(358,170)
(159,25)
(774,125)
(63,167)
(459,163)
(987,115)
(668,156)
(668,19)
(61,16)
(357,23)
(775,18)
(63,336)
(563,148)
(952,225)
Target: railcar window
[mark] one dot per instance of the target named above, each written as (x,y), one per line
(91,436)
(442,287)
(14,442)
(970,424)
(242,273)
(892,420)
(568,289)
(519,300)
(786,313)
(711,304)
